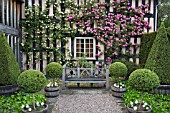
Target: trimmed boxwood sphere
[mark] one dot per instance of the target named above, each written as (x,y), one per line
(53,70)
(144,80)
(31,81)
(118,69)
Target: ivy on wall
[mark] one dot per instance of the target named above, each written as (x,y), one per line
(112,29)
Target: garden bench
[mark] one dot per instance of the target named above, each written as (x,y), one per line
(85,75)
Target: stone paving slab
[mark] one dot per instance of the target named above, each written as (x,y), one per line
(86,103)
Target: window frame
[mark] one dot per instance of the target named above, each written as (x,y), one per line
(94,47)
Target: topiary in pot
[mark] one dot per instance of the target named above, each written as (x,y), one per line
(9,68)
(118,70)
(31,81)
(54,71)
(143,80)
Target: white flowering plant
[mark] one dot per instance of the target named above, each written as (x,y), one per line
(38,107)
(135,106)
(51,83)
(119,85)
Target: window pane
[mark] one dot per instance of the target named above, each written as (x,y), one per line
(78,54)
(91,50)
(91,54)
(91,45)
(78,41)
(87,45)
(91,40)
(82,41)
(82,46)
(87,40)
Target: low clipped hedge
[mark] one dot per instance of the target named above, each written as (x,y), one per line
(9,68)
(118,69)
(54,70)
(31,81)
(145,47)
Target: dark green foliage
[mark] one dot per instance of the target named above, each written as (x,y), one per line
(145,46)
(54,70)
(31,81)
(118,69)
(159,103)
(168,33)
(159,56)
(131,66)
(9,68)
(143,80)
(13,103)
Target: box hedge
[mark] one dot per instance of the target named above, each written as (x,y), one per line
(159,56)
(145,46)
(9,68)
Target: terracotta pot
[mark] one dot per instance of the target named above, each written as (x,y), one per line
(51,92)
(118,92)
(8,89)
(42,111)
(131,110)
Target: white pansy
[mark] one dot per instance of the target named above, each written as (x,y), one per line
(145,104)
(42,103)
(48,85)
(22,106)
(136,102)
(120,86)
(56,84)
(123,85)
(27,106)
(29,109)
(135,108)
(131,103)
(37,103)
(147,108)
(115,85)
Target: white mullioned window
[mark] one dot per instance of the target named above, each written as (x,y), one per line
(85,45)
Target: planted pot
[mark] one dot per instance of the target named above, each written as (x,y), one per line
(8,89)
(40,109)
(162,89)
(118,89)
(131,110)
(51,91)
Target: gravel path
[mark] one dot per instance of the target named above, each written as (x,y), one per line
(86,103)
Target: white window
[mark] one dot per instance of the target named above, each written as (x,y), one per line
(85,45)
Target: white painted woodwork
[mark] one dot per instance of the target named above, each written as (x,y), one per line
(151,23)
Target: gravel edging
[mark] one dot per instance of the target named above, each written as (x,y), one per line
(87,103)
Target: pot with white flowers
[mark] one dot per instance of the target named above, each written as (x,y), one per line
(118,70)
(32,81)
(53,71)
(133,107)
(52,89)
(143,80)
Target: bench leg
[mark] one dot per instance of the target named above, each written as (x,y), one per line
(78,84)
(91,84)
